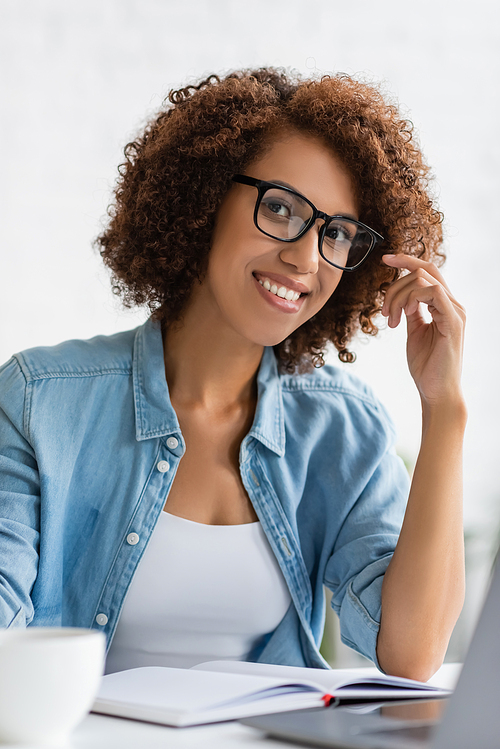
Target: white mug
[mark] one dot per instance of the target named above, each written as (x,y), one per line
(49,677)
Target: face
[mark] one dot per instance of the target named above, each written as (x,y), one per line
(258,287)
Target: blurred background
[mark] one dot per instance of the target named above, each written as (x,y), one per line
(79,78)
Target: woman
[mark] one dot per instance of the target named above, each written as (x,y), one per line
(260,217)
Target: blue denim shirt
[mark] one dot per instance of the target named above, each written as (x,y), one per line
(87,460)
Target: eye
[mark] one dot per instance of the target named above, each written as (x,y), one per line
(339,231)
(277,206)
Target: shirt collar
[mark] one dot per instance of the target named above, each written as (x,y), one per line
(154,413)
(269,423)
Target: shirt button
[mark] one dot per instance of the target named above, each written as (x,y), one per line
(163,466)
(172,442)
(101,619)
(132,539)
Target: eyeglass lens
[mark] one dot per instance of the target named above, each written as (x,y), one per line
(285,215)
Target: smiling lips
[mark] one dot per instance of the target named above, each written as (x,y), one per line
(276,287)
(280,291)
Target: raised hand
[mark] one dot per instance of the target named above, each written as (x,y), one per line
(434,349)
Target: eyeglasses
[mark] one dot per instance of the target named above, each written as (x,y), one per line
(286,215)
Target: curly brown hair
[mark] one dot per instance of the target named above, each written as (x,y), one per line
(157,248)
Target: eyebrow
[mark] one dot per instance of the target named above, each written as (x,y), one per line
(291,187)
(286,184)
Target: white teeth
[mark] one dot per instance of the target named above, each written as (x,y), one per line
(280,291)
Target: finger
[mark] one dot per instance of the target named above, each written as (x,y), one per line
(408,295)
(401,303)
(435,297)
(422,278)
(410,263)
(398,287)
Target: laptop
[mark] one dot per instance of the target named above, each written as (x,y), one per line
(469,719)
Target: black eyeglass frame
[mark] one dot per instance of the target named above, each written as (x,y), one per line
(263,186)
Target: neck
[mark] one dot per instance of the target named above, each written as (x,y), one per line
(207,369)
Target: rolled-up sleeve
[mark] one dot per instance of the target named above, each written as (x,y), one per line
(19,501)
(362,553)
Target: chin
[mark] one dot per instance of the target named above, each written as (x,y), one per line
(262,333)
(270,340)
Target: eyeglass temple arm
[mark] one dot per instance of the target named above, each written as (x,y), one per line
(244,180)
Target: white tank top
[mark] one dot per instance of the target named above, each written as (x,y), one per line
(200,593)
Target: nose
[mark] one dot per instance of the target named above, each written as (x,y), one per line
(303,254)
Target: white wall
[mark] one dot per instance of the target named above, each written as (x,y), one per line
(79,77)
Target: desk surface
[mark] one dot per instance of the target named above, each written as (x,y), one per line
(104,732)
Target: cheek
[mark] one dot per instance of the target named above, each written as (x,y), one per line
(328,283)
(231,249)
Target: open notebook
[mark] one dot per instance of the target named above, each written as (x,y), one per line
(229,690)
